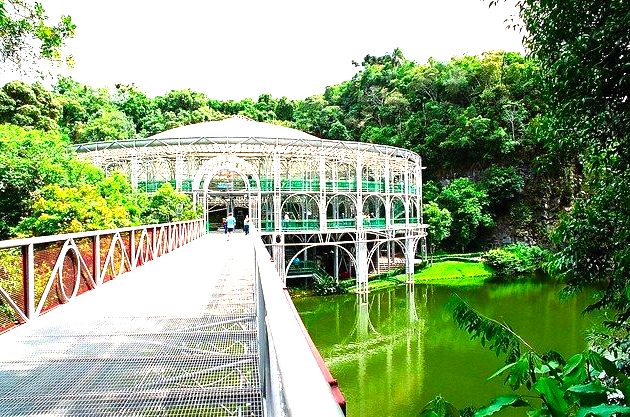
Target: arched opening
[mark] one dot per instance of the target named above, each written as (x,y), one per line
(227,191)
(341,212)
(227,184)
(300,212)
(335,260)
(374,212)
(398,212)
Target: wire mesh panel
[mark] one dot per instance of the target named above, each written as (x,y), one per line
(177,337)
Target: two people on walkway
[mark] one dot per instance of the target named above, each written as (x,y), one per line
(229,224)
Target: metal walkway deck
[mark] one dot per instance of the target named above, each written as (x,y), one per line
(175,337)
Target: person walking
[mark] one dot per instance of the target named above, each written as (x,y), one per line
(230,223)
(246,225)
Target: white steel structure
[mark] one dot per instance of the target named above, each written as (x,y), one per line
(339,203)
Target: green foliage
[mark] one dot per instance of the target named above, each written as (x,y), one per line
(28,106)
(168,205)
(503,184)
(439,221)
(439,407)
(107,126)
(581,386)
(29,160)
(326,285)
(467,202)
(72,209)
(28,37)
(498,337)
(513,261)
(582,48)
(501,403)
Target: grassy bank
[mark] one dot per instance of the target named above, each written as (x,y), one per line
(448,273)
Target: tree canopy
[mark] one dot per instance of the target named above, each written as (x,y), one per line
(26,36)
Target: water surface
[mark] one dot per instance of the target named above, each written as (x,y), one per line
(395,350)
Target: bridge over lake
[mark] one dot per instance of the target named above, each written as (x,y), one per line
(155,321)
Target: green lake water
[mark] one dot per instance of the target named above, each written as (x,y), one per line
(395,350)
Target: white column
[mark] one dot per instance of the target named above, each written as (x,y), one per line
(323,224)
(388,199)
(277,249)
(359,179)
(362,263)
(406,194)
(135,172)
(277,203)
(179,171)
(410,257)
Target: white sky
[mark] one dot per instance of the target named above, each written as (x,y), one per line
(242,48)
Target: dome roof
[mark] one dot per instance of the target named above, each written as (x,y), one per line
(235,127)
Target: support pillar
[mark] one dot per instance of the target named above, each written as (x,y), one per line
(179,171)
(336,265)
(362,263)
(277,250)
(135,172)
(410,257)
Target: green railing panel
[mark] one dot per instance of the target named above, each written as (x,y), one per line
(373,186)
(341,223)
(300,224)
(374,223)
(299,185)
(266,184)
(400,220)
(267,225)
(187,185)
(396,188)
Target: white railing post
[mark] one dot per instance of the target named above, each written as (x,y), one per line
(96,259)
(132,238)
(28,279)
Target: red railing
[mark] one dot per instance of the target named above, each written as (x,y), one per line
(41,273)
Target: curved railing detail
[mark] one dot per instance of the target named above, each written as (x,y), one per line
(41,273)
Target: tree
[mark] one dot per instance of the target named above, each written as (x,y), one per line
(29,106)
(503,184)
(72,209)
(168,205)
(582,48)
(109,125)
(467,202)
(439,221)
(26,36)
(29,160)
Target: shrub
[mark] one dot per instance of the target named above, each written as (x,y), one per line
(326,285)
(513,261)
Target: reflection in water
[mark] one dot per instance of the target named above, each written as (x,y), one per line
(399,342)
(392,351)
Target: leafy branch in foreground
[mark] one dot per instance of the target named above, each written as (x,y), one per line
(588,384)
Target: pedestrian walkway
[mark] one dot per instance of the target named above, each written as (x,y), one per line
(175,337)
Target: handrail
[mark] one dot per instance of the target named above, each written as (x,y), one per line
(40,273)
(291,378)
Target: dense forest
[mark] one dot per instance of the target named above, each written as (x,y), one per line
(476,121)
(531,149)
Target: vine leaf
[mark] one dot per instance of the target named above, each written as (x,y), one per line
(603,410)
(500,403)
(553,396)
(496,336)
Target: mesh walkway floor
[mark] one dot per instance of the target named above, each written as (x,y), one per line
(176,337)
